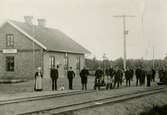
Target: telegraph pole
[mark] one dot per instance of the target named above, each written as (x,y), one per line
(104,57)
(153,58)
(125,32)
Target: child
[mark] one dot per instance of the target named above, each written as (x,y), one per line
(61,87)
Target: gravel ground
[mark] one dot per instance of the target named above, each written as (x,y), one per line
(11,109)
(131,107)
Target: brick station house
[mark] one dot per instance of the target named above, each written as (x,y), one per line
(25,46)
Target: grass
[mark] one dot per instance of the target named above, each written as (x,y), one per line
(156,111)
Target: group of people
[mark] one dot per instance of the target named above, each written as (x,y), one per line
(112,78)
(163,75)
(54,75)
(109,77)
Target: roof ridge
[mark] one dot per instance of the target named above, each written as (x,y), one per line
(51,39)
(36,25)
(26,34)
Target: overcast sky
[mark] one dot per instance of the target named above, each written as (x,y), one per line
(91,23)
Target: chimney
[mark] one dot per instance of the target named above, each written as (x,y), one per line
(28,20)
(42,22)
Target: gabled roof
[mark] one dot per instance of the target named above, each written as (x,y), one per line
(48,38)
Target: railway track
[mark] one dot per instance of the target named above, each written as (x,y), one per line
(48,96)
(96,102)
(34,98)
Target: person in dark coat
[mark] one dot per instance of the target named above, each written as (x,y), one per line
(138,76)
(153,75)
(131,74)
(111,75)
(128,77)
(70,75)
(149,76)
(84,74)
(161,75)
(117,77)
(107,72)
(111,72)
(107,78)
(54,74)
(165,75)
(121,76)
(143,74)
(98,77)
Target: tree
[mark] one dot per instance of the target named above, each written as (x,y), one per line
(92,64)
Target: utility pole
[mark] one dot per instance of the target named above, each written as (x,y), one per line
(153,58)
(125,32)
(104,57)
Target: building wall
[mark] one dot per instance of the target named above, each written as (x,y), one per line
(27,58)
(60,60)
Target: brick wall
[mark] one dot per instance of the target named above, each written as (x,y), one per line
(28,57)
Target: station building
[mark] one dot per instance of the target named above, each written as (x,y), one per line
(25,46)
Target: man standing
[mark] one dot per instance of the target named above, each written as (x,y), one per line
(131,74)
(149,75)
(70,75)
(138,76)
(143,74)
(161,75)
(128,77)
(54,76)
(108,80)
(117,77)
(84,74)
(153,75)
(98,78)
(112,73)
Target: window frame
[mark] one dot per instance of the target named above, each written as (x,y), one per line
(10,40)
(66,61)
(78,62)
(51,61)
(10,63)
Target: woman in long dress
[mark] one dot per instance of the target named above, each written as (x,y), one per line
(38,80)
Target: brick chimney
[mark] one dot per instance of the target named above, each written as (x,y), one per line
(28,20)
(42,22)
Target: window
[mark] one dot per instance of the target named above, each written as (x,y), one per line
(66,62)
(51,61)
(10,63)
(9,40)
(78,63)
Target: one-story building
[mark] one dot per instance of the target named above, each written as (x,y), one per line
(25,46)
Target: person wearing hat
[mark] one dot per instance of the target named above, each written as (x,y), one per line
(149,76)
(164,79)
(98,78)
(70,75)
(153,75)
(54,74)
(118,76)
(111,75)
(84,74)
(138,75)
(128,76)
(38,80)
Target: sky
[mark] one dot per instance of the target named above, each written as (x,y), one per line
(92,24)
